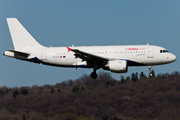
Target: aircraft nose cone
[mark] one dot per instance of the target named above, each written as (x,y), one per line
(173,58)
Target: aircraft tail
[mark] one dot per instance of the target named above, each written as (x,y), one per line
(20,36)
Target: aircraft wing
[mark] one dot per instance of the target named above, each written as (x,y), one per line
(84,55)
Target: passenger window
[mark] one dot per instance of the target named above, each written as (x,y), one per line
(160,51)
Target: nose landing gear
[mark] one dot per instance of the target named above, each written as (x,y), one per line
(150,71)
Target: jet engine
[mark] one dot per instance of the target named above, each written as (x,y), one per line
(117,66)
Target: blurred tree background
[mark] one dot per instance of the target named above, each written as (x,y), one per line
(136,97)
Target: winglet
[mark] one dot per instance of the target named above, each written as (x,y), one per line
(69,49)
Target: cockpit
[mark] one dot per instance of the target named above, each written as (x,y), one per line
(164,51)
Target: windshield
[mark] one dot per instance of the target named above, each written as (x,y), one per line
(164,51)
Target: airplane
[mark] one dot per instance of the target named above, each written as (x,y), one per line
(116,58)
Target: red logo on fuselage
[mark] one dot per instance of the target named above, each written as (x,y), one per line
(131,49)
(135,48)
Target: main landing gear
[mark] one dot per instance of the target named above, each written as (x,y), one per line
(94,74)
(150,71)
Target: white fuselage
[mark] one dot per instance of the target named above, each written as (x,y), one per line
(135,55)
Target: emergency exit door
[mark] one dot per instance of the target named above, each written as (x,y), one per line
(150,52)
(43,54)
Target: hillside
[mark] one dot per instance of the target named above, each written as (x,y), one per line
(133,98)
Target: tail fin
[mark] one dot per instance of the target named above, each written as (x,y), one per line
(20,36)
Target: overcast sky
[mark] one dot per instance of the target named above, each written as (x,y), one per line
(86,23)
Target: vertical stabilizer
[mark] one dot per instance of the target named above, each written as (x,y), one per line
(20,36)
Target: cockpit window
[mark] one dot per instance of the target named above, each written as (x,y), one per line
(164,51)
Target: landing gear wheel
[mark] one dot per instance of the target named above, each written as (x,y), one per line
(150,74)
(150,71)
(94,75)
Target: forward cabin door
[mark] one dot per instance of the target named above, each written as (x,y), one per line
(150,52)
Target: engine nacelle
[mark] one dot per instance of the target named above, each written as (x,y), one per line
(81,64)
(117,66)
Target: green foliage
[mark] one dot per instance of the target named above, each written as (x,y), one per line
(1,92)
(122,79)
(59,90)
(4,90)
(134,77)
(26,115)
(110,82)
(15,93)
(104,117)
(115,118)
(2,105)
(24,91)
(82,88)
(113,82)
(75,89)
(131,119)
(52,90)
(142,76)
(128,79)
(83,118)
(107,83)
(24,118)
(70,116)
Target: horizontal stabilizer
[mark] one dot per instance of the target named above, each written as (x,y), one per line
(16,54)
(19,52)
